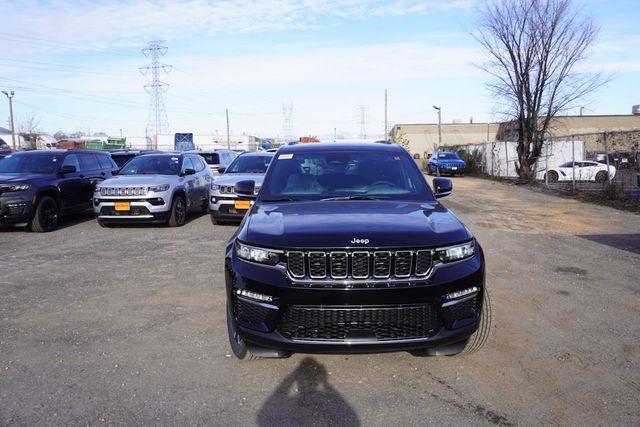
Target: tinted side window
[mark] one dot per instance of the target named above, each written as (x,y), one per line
(88,162)
(198,163)
(105,161)
(187,164)
(72,160)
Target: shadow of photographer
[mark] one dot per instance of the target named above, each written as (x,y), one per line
(306,397)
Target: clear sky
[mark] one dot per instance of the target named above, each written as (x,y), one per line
(74,64)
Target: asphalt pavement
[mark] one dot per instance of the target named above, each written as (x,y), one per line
(126,325)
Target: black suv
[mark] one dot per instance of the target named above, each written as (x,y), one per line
(347,250)
(36,187)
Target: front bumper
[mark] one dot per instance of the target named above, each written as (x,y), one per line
(451,171)
(153,208)
(16,208)
(223,207)
(356,320)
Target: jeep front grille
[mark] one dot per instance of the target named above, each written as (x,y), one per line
(359,264)
(124,191)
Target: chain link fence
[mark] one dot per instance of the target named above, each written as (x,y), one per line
(598,163)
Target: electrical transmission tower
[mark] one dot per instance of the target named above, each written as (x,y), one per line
(287,125)
(158,122)
(363,123)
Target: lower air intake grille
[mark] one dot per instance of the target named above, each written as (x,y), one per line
(249,312)
(340,323)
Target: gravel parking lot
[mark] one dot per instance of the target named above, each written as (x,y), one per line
(127,325)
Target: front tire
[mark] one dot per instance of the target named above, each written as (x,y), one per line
(178,212)
(473,343)
(46,216)
(552,176)
(601,177)
(238,346)
(481,335)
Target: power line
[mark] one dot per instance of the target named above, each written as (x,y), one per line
(74,69)
(54,43)
(158,120)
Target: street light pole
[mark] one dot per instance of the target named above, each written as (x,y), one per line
(439,110)
(13,128)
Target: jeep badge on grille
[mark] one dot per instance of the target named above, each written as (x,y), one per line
(363,241)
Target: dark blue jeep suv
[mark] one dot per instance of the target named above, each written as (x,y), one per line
(347,250)
(36,187)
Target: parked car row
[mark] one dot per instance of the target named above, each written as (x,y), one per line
(38,187)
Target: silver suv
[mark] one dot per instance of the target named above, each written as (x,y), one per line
(158,188)
(225,204)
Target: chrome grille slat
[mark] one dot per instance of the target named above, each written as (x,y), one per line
(381,264)
(295,264)
(340,264)
(403,263)
(360,264)
(317,265)
(424,262)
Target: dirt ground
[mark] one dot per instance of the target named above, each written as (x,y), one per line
(127,325)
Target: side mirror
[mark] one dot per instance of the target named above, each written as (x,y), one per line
(442,187)
(221,169)
(67,169)
(115,172)
(189,172)
(245,189)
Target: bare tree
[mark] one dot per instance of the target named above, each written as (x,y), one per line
(534,49)
(400,138)
(29,129)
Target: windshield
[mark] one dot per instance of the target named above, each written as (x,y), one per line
(4,145)
(211,158)
(448,156)
(152,165)
(121,159)
(323,175)
(29,163)
(249,164)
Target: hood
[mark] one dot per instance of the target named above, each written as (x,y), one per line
(140,180)
(10,178)
(335,224)
(232,178)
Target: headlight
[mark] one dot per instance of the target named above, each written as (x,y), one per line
(260,255)
(215,187)
(456,253)
(16,187)
(256,190)
(160,188)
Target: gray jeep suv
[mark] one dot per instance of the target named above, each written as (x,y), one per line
(158,188)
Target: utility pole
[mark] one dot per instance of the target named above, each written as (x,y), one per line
(335,134)
(13,128)
(581,109)
(228,137)
(439,138)
(157,114)
(386,122)
(363,124)
(439,127)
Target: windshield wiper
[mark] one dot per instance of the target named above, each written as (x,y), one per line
(355,198)
(281,199)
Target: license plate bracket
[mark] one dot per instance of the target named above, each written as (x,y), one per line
(122,206)
(242,204)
